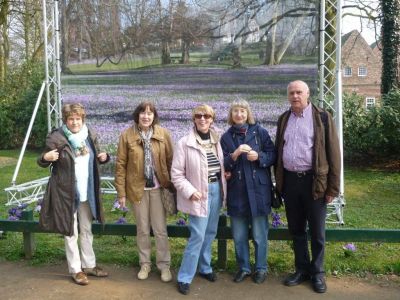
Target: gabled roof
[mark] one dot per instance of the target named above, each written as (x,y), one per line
(346,36)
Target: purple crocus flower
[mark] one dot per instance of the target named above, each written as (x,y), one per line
(38,208)
(350,247)
(121,220)
(116,204)
(181,222)
(13,218)
(276,220)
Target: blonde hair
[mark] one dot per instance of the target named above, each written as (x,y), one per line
(242,104)
(204,109)
(70,109)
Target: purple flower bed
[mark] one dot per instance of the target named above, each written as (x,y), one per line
(176,91)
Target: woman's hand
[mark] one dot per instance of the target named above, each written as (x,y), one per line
(51,155)
(196,196)
(122,202)
(102,157)
(244,148)
(228,175)
(252,155)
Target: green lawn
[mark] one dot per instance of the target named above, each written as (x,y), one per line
(249,57)
(372,198)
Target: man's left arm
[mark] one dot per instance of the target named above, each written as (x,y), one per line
(333,156)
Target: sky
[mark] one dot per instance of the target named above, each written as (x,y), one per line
(350,23)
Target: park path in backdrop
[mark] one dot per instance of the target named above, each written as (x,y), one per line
(19,280)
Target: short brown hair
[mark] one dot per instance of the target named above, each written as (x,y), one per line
(73,108)
(242,104)
(204,109)
(141,108)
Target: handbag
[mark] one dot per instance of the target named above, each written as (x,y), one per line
(168,200)
(276,199)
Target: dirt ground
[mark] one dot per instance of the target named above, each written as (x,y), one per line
(19,280)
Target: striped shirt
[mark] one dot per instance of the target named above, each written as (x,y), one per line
(299,141)
(209,146)
(213,163)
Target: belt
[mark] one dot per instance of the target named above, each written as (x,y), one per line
(212,179)
(300,173)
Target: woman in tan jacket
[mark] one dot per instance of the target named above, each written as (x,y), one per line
(143,166)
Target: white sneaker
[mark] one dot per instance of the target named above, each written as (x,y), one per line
(166,275)
(144,272)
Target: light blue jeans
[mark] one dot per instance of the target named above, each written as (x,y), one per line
(240,232)
(202,233)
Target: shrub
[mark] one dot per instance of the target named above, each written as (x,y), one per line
(18,96)
(370,132)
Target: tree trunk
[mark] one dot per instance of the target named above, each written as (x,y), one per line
(273,37)
(288,40)
(185,52)
(64,47)
(4,43)
(27,28)
(165,54)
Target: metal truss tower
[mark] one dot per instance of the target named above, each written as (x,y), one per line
(51,30)
(330,94)
(330,85)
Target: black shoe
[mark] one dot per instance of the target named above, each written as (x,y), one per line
(318,284)
(296,278)
(209,276)
(259,276)
(240,276)
(183,288)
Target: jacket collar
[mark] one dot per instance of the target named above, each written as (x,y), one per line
(192,141)
(250,134)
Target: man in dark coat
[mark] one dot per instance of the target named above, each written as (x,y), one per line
(307,175)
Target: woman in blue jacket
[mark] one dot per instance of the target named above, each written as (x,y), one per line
(248,154)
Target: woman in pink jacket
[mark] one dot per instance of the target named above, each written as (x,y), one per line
(196,174)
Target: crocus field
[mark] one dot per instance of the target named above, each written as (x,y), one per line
(110,98)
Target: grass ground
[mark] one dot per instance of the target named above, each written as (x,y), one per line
(249,57)
(372,197)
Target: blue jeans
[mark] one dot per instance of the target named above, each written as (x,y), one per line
(202,233)
(240,232)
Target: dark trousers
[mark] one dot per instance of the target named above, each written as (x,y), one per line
(302,209)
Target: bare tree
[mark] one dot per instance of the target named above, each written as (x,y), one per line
(4,46)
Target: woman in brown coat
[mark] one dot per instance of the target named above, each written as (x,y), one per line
(73,191)
(143,166)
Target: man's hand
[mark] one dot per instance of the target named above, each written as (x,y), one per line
(329,199)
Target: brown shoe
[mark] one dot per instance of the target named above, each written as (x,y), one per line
(80,278)
(96,271)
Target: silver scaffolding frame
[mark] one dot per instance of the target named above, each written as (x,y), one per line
(33,191)
(332,89)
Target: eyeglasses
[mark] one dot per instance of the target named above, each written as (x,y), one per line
(199,116)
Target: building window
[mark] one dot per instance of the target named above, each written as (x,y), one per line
(370,102)
(362,71)
(347,72)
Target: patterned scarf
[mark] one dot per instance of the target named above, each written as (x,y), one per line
(77,140)
(148,159)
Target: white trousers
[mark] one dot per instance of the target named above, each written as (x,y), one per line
(86,258)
